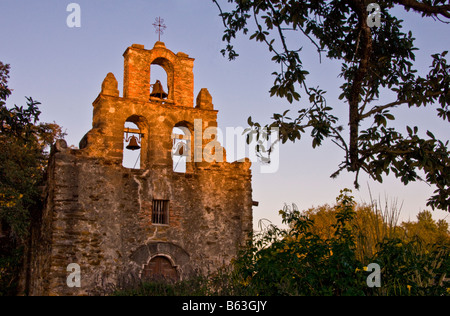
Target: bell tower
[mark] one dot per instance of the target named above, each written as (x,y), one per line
(125,225)
(179,69)
(154,116)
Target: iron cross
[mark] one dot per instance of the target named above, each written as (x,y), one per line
(160,27)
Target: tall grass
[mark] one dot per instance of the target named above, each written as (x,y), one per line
(376,222)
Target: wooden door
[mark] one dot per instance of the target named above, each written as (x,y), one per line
(160,269)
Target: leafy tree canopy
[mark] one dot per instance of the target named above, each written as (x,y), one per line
(374,60)
(23,159)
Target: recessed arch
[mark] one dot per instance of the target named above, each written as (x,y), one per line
(178,257)
(186,124)
(160,267)
(139,120)
(164,63)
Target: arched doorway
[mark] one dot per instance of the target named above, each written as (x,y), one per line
(160,268)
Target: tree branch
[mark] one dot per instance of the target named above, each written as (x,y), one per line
(378,109)
(355,90)
(280,31)
(221,14)
(344,144)
(319,50)
(426,9)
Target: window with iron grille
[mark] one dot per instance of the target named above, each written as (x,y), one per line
(160,213)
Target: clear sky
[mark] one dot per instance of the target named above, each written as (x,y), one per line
(64,67)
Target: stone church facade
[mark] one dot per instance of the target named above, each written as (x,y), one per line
(122,225)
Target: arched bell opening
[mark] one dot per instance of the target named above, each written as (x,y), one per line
(161,80)
(181,147)
(179,150)
(158,82)
(135,132)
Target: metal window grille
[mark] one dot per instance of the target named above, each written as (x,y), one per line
(160,213)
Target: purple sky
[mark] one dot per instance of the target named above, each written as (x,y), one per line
(64,67)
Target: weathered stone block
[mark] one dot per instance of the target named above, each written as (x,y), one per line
(204,100)
(109,86)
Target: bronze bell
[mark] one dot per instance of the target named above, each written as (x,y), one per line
(158,91)
(181,150)
(133,145)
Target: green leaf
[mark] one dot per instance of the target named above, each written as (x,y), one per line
(430,134)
